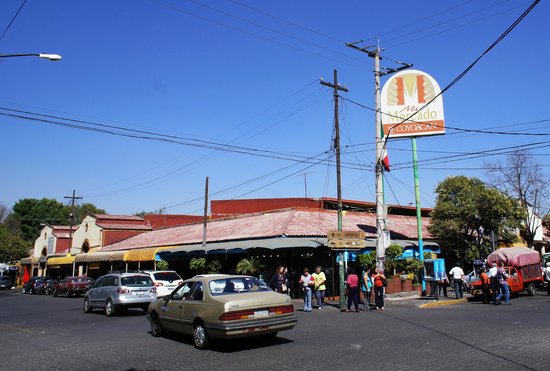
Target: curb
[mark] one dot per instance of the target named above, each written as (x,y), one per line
(443,303)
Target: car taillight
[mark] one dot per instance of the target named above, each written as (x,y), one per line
(236,315)
(157,284)
(123,291)
(284,309)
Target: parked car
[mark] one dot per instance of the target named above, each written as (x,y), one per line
(222,307)
(72,286)
(5,282)
(118,291)
(34,284)
(165,281)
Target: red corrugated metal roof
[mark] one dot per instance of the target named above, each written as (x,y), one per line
(116,217)
(290,222)
(124,226)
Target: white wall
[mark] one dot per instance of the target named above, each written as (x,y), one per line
(92,233)
(45,240)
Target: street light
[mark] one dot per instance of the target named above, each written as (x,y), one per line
(50,57)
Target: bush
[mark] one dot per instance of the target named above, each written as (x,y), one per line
(214,267)
(197,265)
(367,261)
(162,265)
(394,251)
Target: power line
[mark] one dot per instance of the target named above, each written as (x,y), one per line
(12,20)
(464,72)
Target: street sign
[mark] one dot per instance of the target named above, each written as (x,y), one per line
(346,240)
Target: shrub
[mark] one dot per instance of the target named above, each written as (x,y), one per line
(162,265)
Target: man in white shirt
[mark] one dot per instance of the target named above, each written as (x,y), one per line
(458,278)
(493,271)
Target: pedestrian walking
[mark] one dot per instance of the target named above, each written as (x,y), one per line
(458,280)
(307,283)
(443,284)
(378,280)
(279,282)
(319,287)
(353,289)
(366,287)
(503,285)
(485,285)
(547,275)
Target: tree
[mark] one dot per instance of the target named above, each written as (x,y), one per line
(197,265)
(465,208)
(521,177)
(249,266)
(12,247)
(30,213)
(4,212)
(214,267)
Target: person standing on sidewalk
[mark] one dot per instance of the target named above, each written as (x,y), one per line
(279,282)
(353,289)
(366,287)
(320,287)
(378,280)
(458,278)
(485,285)
(307,283)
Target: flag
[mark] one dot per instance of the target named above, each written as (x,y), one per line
(385,160)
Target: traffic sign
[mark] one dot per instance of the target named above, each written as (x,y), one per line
(346,240)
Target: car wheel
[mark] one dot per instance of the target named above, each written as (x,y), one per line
(200,336)
(54,293)
(156,327)
(23,291)
(86,307)
(109,308)
(531,289)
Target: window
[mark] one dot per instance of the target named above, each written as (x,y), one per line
(182,292)
(197,293)
(166,276)
(227,286)
(136,281)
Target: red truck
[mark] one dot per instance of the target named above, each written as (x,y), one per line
(523,267)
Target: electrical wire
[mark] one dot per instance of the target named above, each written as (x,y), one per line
(12,20)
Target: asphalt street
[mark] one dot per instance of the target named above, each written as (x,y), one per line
(46,333)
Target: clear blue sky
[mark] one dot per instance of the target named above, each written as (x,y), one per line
(246,73)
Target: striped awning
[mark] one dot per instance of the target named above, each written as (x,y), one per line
(60,260)
(100,256)
(140,255)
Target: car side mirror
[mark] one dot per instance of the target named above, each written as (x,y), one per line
(166,299)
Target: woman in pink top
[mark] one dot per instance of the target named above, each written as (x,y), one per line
(353,289)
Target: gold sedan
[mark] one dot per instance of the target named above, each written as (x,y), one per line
(222,307)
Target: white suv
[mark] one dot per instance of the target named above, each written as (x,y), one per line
(164,281)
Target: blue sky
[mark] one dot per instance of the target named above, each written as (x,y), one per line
(246,74)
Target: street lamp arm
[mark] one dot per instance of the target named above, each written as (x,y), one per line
(50,57)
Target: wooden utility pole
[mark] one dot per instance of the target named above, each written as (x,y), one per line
(336,88)
(71,221)
(205,221)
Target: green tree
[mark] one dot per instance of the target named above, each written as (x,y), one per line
(464,208)
(30,213)
(249,266)
(367,261)
(12,247)
(86,208)
(162,265)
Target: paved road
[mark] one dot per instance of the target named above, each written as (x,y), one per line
(41,332)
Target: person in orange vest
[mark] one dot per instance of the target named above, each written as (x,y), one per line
(485,284)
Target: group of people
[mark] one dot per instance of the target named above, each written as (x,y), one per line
(371,280)
(495,281)
(312,285)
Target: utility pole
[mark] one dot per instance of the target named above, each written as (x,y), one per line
(380,143)
(337,87)
(205,215)
(71,221)
(305,181)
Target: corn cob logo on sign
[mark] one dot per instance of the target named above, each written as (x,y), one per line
(402,97)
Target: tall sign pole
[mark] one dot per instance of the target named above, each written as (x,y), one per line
(205,220)
(337,87)
(71,221)
(418,210)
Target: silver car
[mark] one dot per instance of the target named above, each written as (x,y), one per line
(118,291)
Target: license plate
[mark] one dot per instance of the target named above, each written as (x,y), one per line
(139,293)
(261,313)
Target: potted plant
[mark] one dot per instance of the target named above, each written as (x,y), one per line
(407,282)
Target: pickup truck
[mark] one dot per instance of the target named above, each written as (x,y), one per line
(522,266)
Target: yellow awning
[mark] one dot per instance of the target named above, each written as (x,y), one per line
(59,260)
(140,255)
